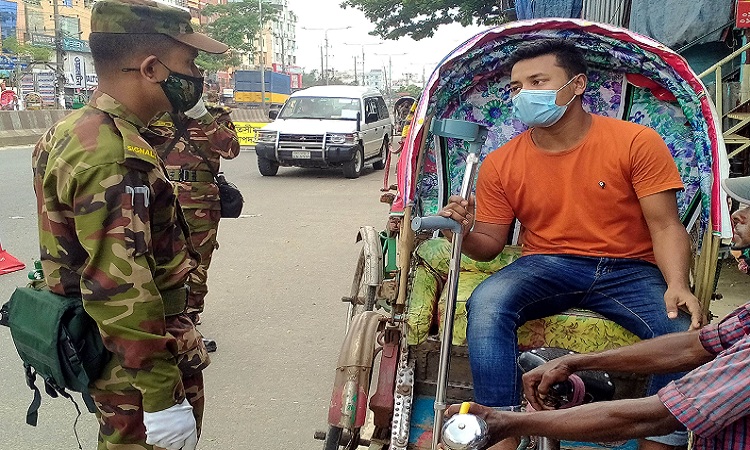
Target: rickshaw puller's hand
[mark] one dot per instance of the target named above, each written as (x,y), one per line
(676,299)
(460,210)
(537,382)
(496,420)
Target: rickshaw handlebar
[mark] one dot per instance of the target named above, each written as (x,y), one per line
(434,223)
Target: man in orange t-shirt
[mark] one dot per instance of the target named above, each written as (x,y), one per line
(596,199)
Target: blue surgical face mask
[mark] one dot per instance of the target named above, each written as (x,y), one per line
(537,108)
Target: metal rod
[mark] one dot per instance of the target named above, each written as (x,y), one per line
(724,61)
(261,59)
(472,161)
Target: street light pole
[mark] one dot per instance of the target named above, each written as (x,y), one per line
(363,58)
(59,56)
(389,83)
(261,60)
(325,40)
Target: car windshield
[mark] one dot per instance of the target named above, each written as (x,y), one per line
(329,108)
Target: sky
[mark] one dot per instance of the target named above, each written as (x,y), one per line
(407,55)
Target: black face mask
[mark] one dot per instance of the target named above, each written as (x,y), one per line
(182,91)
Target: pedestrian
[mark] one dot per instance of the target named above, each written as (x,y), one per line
(192,163)
(596,199)
(712,401)
(109,229)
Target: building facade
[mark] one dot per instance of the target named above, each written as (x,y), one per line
(375,78)
(279,41)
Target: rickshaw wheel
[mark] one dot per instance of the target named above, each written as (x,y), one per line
(333,439)
(362,295)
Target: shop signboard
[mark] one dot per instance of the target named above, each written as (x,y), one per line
(742,18)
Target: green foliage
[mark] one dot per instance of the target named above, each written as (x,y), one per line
(420,18)
(37,54)
(313,78)
(236,23)
(411,90)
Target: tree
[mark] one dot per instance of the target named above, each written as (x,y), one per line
(37,54)
(236,24)
(419,18)
(313,78)
(411,90)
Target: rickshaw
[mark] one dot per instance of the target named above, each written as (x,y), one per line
(400,111)
(404,355)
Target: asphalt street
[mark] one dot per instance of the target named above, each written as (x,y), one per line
(274,307)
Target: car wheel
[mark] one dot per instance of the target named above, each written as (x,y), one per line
(353,168)
(380,164)
(267,167)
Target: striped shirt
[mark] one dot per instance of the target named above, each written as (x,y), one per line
(713,401)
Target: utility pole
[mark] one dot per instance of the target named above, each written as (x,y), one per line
(323,68)
(389,87)
(283,52)
(325,35)
(59,56)
(363,57)
(355,71)
(261,59)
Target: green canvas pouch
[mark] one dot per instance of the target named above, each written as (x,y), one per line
(57,341)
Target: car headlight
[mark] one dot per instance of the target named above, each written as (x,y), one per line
(267,137)
(343,138)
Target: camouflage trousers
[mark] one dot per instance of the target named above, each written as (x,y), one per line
(119,404)
(203,225)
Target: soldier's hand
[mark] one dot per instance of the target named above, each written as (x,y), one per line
(173,428)
(460,210)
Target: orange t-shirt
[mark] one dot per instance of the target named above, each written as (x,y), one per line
(584,200)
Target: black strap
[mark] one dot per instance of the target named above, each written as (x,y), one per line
(174,141)
(65,394)
(32,414)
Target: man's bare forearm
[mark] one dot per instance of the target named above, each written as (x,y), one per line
(672,253)
(674,352)
(605,421)
(479,246)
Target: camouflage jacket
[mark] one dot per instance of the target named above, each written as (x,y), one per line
(216,138)
(108,232)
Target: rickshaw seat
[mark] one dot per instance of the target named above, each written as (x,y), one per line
(579,330)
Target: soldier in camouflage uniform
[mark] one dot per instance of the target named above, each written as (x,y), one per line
(109,228)
(212,133)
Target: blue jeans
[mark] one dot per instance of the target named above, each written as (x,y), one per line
(628,292)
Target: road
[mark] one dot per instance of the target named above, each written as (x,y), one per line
(274,307)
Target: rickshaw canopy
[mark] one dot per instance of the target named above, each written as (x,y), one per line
(631,77)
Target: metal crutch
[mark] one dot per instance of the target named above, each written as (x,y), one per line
(468,132)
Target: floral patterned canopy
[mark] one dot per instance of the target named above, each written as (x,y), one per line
(631,77)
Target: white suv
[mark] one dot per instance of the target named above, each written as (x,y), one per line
(325,126)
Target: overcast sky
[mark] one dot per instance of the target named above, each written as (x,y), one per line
(327,14)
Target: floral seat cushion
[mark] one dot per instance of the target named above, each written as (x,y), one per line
(578,330)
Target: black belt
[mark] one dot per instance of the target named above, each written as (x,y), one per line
(175,300)
(202,176)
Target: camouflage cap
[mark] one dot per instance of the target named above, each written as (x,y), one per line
(148,17)
(217,109)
